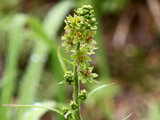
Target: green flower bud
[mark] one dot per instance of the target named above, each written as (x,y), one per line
(73,105)
(88,26)
(93,20)
(88,7)
(82,95)
(64,111)
(68,77)
(87,16)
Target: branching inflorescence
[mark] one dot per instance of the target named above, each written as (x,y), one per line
(78,40)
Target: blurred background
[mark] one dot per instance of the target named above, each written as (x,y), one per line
(128,38)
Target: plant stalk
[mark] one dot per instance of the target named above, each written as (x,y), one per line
(76,89)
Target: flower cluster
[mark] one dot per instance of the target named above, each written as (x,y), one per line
(68,77)
(82,96)
(79,41)
(79,33)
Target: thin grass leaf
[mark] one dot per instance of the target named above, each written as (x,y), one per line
(61,60)
(32,75)
(9,77)
(55,14)
(6,79)
(60,83)
(66,60)
(34,106)
(39,56)
(128,116)
(37,110)
(99,88)
(37,27)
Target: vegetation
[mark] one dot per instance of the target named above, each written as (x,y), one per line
(34,71)
(79,33)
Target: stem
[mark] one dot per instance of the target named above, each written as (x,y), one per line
(76,89)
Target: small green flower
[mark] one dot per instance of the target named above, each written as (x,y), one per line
(66,110)
(86,74)
(68,77)
(82,95)
(73,105)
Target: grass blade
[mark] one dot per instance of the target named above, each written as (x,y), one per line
(99,88)
(56,16)
(9,76)
(34,70)
(61,60)
(128,116)
(40,106)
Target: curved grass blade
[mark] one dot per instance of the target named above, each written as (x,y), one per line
(61,60)
(37,110)
(57,14)
(128,116)
(66,60)
(38,30)
(99,88)
(34,106)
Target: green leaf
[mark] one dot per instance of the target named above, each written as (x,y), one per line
(37,110)
(68,61)
(99,88)
(38,29)
(39,56)
(63,82)
(16,27)
(93,81)
(51,27)
(94,75)
(87,58)
(61,60)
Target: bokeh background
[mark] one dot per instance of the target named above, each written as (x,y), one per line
(128,38)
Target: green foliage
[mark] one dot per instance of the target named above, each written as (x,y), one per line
(10,73)
(40,53)
(37,110)
(42,46)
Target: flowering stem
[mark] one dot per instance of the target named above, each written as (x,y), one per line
(76,88)
(78,39)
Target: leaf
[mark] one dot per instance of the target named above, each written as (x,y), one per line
(94,75)
(128,116)
(50,25)
(38,29)
(92,81)
(39,56)
(98,88)
(60,83)
(37,110)
(15,37)
(61,60)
